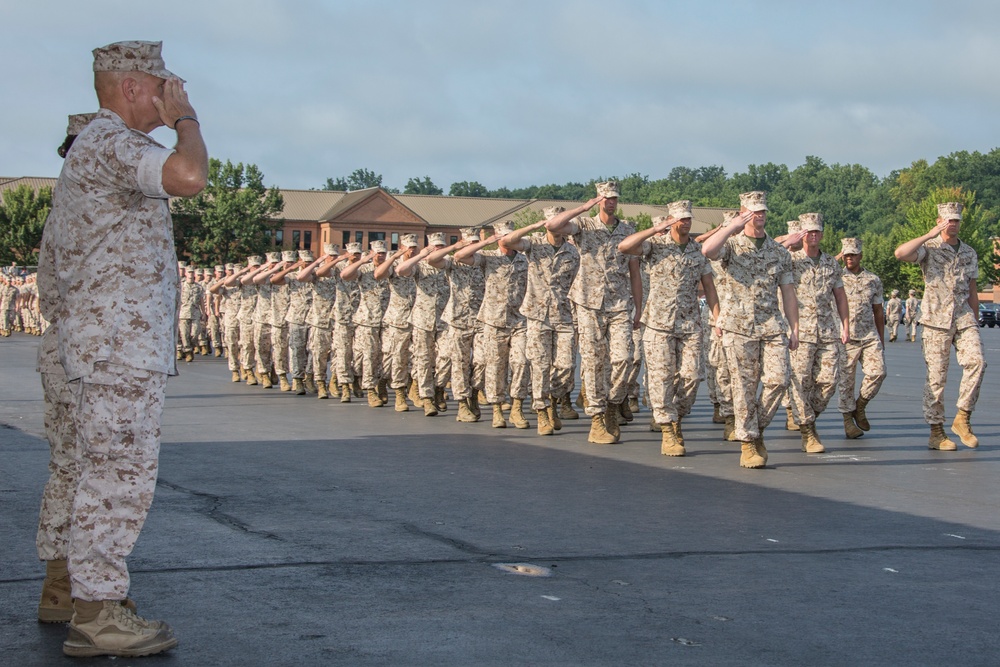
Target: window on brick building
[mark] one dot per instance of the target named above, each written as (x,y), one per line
(307,240)
(296,239)
(395,241)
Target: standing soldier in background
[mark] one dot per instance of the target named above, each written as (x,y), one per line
(248,304)
(755,335)
(552,266)
(672,338)
(320,318)
(345,306)
(368,321)
(230,293)
(866,343)
(466,285)
(504,328)
(192,299)
(262,320)
(396,328)
(280,300)
(113,305)
(606,289)
(950,270)
(213,303)
(430,366)
(912,317)
(819,290)
(300,294)
(201,330)
(893,313)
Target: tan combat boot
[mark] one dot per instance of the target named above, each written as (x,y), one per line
(963,429)
(265,380)
(401,405)
(440,400)
(383,391)
(544,425)
(729,432)
(581,398)
(310,383)
(626,412)
(298,387)
(851,429)
(554,415)
(678,433)
(599,431)
(430,410)
(321,390)
(751,455)
(669,445)
(218,352)
(939,440)
(110,628)
(374,400)
(474,405)
(180,355)
(236,376)
(611,421)
(565,408)
(204,350)
(790,424)
(517,416)
(56,604)
(465,414)
(356,388)
(189,356)
(345,393)
(251,378)
(653,426)
(860,418)
(717,417)
(414,395)
(498,420)
(283,383)
(633,405)
(810,441)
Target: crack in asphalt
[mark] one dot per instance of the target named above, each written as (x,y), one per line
(216,514)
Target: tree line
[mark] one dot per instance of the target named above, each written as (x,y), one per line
(237,215)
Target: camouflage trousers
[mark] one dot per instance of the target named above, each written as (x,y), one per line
(717,375)
(231,340)
(504,352)
(215,332)
(343,353)
(635,373)
(911,328)
(396,356)
(605,356)
(248,352)
(279,348)
(52,538)
(815,373)
(200,333)
(117,421)
(754,361)
(937,353)
(320,348)
(893,328)
(551,353)
(188,333)
(298,350)
(368,355)
(871,355)
(674,376)
(430,363)
(466,375)
(262,346)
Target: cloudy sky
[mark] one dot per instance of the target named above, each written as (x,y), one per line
(517,93)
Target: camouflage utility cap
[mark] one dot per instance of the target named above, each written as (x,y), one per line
(727,217)
(503,228)
(377,247)
(794,226)
(470,233)
(850,246)
(754,201)
(408,240)
(329,248)
(811,222)
(436,238)
(289,255)
(353,248)
(608,189)
(306,255)
(550,212)
(679,210)
(77,122)
(254,260)
(132,56)
(951,210)
(273,257)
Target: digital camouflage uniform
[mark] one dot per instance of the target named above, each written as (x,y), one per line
(465,296)
(262,328)
(345,306)
(396,329)
(672,337)
(948,321)
(320,321)
(912,317)
(816,363)
(893,313)
(368,326)
(549,312)
(864,290)
(300,296)
(431,361)
(245,316)
(754,330)
(602,292)
(231,297)
(213,308)
(504,328)
(280,301)
(111,287)
(192,295)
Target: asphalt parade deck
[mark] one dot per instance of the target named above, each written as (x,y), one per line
(292,531)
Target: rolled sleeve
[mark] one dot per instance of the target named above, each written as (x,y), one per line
(150,172)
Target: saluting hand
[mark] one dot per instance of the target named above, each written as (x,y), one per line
(174,104)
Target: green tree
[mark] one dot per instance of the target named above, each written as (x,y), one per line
(230,218)
(359,179)
(422,186)
(22,216)
(922,216)
(468,189)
